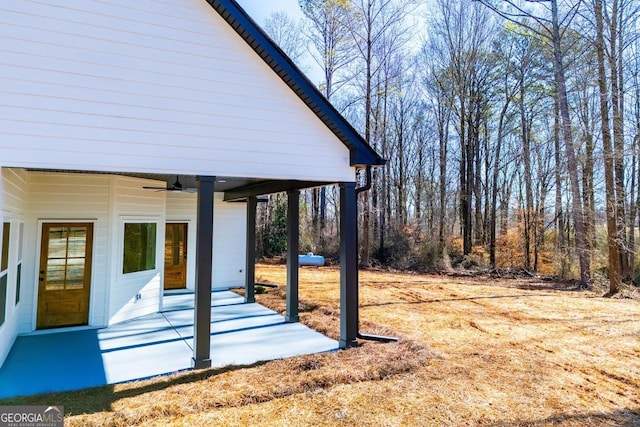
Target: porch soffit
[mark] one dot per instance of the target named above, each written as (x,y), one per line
(234,188)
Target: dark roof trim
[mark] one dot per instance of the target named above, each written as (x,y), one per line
(361,154)
(269,187)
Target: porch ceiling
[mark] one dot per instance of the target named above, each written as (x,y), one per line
(234,188)
(238,188)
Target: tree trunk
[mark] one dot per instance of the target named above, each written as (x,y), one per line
(587,186)
(607,151)
(366,226)
(635,212)
(560,224)
(465,180)
(526,156)
(572,165)
(494,181)
(617,99)
(443,139)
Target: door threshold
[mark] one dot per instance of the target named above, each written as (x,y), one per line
(59,330)
(178,291)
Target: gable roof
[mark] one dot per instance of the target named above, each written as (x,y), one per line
(361,153)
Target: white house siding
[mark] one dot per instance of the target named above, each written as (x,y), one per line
(107,201)
(229,237)
(13,185)
(167,82)
(229,243)
(65,197)
(135,294)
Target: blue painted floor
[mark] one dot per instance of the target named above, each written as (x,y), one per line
(153,345)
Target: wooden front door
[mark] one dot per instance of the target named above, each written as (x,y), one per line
(175,256)
(65,274)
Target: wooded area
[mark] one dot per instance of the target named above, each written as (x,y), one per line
(511,129)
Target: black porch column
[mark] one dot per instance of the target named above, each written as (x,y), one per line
(204,272)
(250,268)
(348,265)
(293,239)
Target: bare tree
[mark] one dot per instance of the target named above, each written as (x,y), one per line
(287,34)
(460,37)
(506,89)
(332,51)
(328,33)
(607,152)
(585,99)
(634,210)
(378,30)
(550,29)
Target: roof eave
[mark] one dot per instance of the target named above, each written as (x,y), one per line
(361,153)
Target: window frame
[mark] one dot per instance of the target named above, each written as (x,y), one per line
(19,275)
(5,262)
(121,255)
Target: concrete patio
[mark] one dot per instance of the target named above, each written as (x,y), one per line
(153,345)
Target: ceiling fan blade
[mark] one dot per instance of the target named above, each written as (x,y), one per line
(176,187)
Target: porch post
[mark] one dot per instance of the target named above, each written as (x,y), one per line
(348,266)
(250,268)
(204,272)
(293,240)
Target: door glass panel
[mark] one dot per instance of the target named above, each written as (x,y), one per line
(75,273)
(77,242)
(67,248)
(57,242)
(174,246)
(168,246)
(55,274)
(178,247)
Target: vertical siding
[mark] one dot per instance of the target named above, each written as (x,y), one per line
(150,86)
(135,294)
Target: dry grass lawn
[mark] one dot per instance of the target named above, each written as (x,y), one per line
(472,351)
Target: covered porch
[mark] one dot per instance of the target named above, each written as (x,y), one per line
(54,202)
(206,187)
(156,344)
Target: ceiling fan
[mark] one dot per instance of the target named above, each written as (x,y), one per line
(176,187)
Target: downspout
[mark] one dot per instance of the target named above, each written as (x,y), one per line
(380,338)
